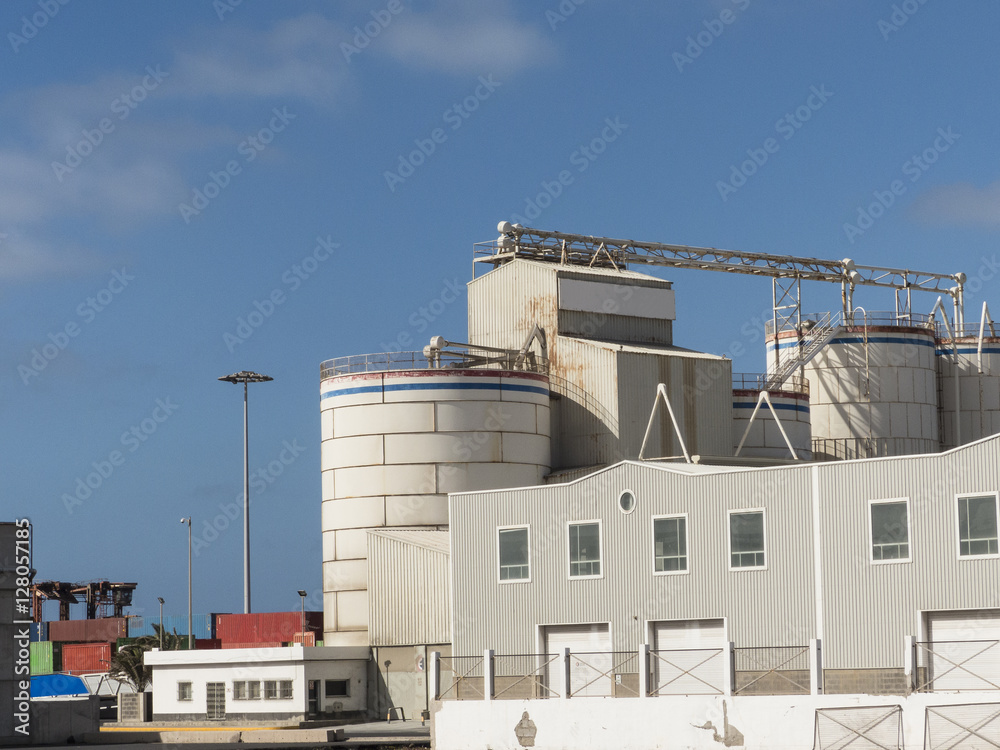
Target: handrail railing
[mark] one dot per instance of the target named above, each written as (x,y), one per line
(757,381)
(442,360)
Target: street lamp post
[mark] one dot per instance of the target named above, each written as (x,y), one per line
(160,600)
(302,619)
(190,610)
(244,376)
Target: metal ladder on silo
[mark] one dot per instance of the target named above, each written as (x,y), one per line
(824,331)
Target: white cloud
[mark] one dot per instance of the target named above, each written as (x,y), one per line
(461,37)
(961,203)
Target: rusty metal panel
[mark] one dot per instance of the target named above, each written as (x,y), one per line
(105,629)
(264,627)
(411,567)
(507,302)
(80,658)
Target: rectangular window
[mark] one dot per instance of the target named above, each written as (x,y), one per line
(890,528)
(253,691)
(285,689)
(514,556)
(239,691)
(183,691)
(338,689)
(977,526)
(670,545)
(270,690)
(585,549)
(746,539)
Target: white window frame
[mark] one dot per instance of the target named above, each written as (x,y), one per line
(729,540)
(510,528)
(909,531)
(282,684)
(958,524)
(687,545)
(635,502)
(181,684)
(600,548)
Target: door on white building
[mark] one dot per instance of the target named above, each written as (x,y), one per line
(215,700)
(963,650)
(688,657)
(590,658)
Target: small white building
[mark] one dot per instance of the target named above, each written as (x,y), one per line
(291,683)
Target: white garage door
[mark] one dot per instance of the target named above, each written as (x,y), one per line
(590,657)
(688,657)
(964,653)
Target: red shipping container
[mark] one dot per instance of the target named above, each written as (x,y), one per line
(102,630)
(80,658)
(231,644)
(265,626)
(207,643)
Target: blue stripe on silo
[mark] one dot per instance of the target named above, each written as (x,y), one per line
(968,350)
(435,387)
(791,343)
(804,409)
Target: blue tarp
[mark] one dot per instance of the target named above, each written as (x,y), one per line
(48,685)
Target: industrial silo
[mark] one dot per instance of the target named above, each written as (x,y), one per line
(399,432)
(970,367)
(764,438)
(873,388)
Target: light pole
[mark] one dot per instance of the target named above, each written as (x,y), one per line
(160,600)
(302,621)
(190,610)
(245,377)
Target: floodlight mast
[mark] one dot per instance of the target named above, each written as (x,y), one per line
(786,271)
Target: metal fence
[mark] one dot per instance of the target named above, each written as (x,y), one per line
(692,671)
(771,670)
(957,666)
(604,673)
(461,678)
(521,676)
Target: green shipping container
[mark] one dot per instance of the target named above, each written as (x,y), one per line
(41,657)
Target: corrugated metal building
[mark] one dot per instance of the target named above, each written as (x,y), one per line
(610,343)
(859,554)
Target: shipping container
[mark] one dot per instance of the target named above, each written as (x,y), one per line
(265,626)
(80,658)
(202,625)
(102,630)
(309,640)
(39,631)
(41,658)
(233,644)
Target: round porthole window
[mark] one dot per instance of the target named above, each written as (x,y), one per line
(626,502)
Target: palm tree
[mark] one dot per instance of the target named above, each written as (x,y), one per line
(128,665)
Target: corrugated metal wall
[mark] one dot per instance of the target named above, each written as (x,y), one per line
(867,608)
(757,604)
(105,629)
(408,591)
(505,303)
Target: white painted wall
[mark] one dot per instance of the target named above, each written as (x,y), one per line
(766,723)
(293,663)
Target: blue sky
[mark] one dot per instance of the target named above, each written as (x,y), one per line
(189,189)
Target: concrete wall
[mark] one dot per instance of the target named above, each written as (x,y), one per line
(752,723)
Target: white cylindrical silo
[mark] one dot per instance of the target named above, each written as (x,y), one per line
(873,390)
(978,384)
(764,440)
(396,441)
